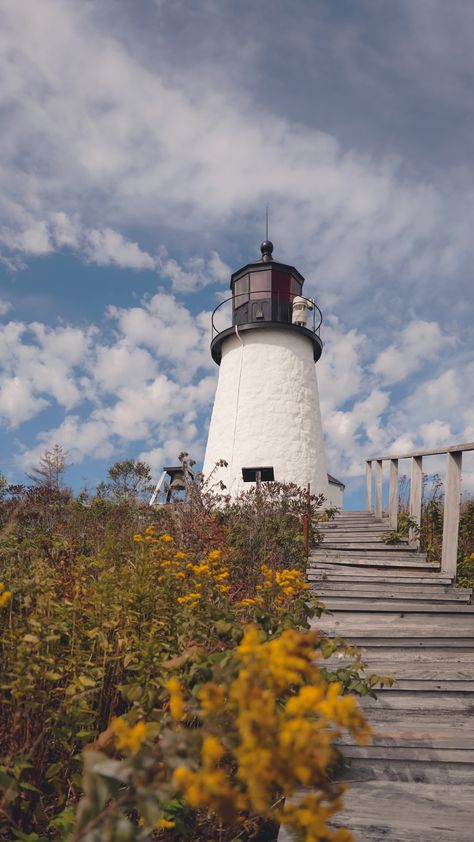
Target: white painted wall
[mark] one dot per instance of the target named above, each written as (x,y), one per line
(266,411)
(335,495)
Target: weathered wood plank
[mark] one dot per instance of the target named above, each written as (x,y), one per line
(356,591)
(408,813)
(378,605)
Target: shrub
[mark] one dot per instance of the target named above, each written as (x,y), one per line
(114,642)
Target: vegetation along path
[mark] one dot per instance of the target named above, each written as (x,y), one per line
(414,782)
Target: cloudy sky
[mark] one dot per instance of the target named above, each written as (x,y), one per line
(140,142)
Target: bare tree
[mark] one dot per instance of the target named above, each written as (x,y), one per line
(50,471)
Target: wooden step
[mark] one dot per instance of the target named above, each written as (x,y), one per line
(341,606)
(396,811)
(430,734)
(350,562)
(391,577)
(367,546)
(356,590)
(434,671)
(410,764)
(384,655)
(432,702)
(334,529)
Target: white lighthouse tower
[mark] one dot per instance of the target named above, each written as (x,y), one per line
(266,411)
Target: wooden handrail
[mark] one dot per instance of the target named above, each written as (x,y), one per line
(452,495)
(453,448)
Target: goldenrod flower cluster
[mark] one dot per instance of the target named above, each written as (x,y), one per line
(164,824)
(287,718)
(174,688)
(151,535)
(128,736)
(279,588)
(5,596)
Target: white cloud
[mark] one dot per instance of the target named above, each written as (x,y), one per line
(76,436)
(197,272)
(109,247)
(133,145)
(419,341)
(5,307)
(17,402)
(170,331)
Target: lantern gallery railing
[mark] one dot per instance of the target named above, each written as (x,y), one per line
(266,305)
(452,495)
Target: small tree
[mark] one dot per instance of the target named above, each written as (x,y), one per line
(52,465)
(128,481)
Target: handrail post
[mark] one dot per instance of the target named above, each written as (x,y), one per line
(416,495)
(378,488)
(393,494)
(368,486)
(452,503)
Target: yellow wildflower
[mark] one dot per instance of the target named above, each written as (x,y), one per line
(175,690)
(249,601)
(200,568)
(191,599)
(212,751)
(164,824)
(306,700)
(5,598)
(129,736)
(223,588)
(167,538)
(180,554)
(214,555)
(212,698)
(137,537)
(150,530)
(209,789)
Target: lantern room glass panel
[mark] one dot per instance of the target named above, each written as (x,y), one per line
(296,287)
(260,285)
(241,300)
(281,296)
(241,289)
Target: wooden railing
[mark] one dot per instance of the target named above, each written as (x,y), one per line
(452,495)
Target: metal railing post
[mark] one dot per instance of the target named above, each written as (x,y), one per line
(416,494)
(452,504)
(393,494)
(378,488)
(368,486)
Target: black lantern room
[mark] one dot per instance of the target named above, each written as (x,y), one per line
(268,294)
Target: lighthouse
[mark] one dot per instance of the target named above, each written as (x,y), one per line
(266,419)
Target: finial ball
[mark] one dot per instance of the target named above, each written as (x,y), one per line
(266,248)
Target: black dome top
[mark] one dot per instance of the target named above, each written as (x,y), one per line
(266,248)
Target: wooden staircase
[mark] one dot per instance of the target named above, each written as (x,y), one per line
(415,781)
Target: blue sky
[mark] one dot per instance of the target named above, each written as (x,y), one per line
(140,143)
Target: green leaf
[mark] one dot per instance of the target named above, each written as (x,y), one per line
(53,770)
(86,681)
